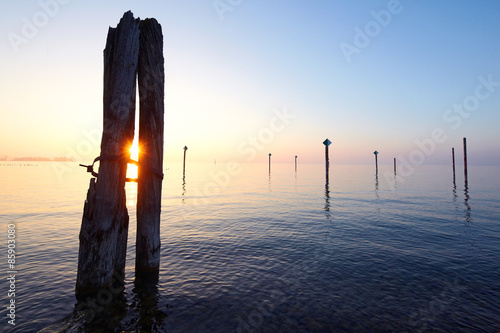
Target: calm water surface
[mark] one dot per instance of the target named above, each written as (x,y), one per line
(285,252)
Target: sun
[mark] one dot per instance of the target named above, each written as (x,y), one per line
(134,151)
(132,170)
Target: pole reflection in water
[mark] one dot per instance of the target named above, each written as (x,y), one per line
(377,200)
(467,211)
(145,301)
(295,180)
(468,217)
(327,200)
(464,216)
(269,181)
(455,196)
(183,189)
(101,311)
(327,203)
(327,208)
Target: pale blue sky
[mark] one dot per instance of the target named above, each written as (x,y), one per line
(227,77)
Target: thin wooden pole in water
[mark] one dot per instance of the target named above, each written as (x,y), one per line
(327,144)
(465,164)
(184,163)
(269,163)
(151,79)
(395,166)
(295,163)
(376,161)
(453,164)
(327,162)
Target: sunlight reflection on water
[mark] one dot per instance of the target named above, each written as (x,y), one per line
(284,252)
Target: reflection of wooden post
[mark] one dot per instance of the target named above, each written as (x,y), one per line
(376,161)
(151,81)
(453,164)
(184,163)
(103,234)
(465,164)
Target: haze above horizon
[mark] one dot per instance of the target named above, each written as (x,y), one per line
(247,78)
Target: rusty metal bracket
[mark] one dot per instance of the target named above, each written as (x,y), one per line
(90,168)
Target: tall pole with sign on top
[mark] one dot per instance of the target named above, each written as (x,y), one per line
(184,163)
(376,161)
(269,163)
(327,143)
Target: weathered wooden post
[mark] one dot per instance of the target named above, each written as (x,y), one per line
(453,165)
(269,163)
(103,234)
(327,143)
(295,163)
(465,164)
(395,167)
(184,163)
(376,161)
(151,79)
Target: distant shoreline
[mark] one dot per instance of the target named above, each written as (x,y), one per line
(36,159)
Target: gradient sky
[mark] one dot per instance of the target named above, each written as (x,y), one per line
(368,75)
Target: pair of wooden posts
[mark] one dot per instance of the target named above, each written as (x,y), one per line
(376,163)
(466,178)
(133,53)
